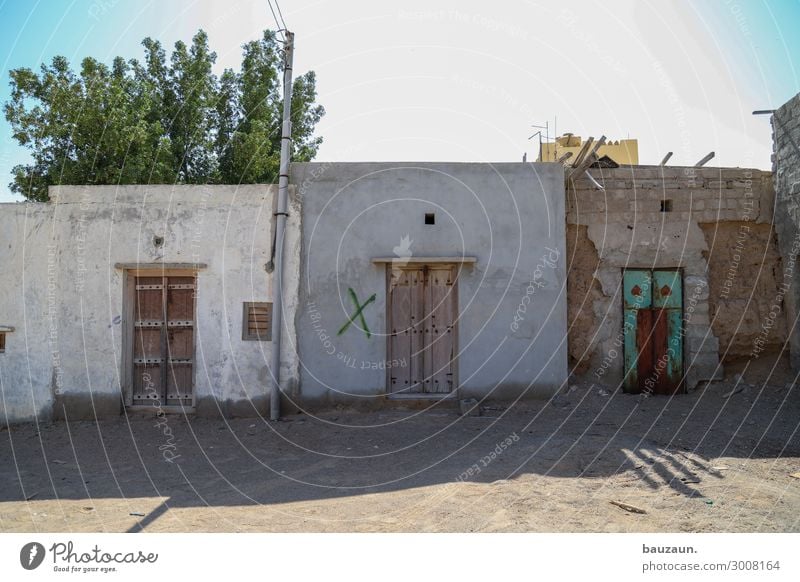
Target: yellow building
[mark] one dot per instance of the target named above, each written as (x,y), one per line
(624,151)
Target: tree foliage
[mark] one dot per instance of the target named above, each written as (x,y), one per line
(159,120)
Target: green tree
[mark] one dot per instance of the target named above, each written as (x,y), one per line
(160,120)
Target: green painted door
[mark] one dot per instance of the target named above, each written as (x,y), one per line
(652,320)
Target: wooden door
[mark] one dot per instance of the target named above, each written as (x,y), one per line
(163,341)
(422,306)
(652,329)
(668,300)
(406,317)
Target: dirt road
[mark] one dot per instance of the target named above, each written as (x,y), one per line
(707,461)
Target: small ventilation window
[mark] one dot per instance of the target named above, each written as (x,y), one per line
(2,342)
(257,321)
(430,218)
(666,206)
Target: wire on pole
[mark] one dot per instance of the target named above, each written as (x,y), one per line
(279,29)
(283,22)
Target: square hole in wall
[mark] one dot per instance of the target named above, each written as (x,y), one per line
(666,206)
(257,321)
(430,218)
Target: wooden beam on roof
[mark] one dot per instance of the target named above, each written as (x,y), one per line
(564,158)
(588,160)
(582,153)
(666,159)
(706,158)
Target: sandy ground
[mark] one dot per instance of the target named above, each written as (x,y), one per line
(707,461)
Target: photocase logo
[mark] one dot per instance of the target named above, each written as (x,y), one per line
(403,250)
(403,253)
(31,555)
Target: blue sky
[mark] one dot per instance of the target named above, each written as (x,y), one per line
(762,39)
(446,80)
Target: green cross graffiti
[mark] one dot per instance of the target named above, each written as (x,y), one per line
(358,313)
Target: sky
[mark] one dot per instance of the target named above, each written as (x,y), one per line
(440,80)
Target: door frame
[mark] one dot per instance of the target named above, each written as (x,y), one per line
(681,389)
(128,330)
(456,268)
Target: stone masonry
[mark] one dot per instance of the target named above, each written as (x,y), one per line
(786,173)
(710,222)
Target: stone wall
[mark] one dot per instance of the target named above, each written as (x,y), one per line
(744,275)
(786,176)
(584,292)
(666,217)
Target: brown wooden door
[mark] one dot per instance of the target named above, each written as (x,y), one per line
(163,341)
(422,335)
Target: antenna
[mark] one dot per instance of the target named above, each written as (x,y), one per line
(545,127)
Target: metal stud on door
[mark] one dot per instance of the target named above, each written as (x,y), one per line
(148,330)
(163,341)
(422,309)
(180,342)
(438,327)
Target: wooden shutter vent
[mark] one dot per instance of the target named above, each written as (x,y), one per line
(257,321)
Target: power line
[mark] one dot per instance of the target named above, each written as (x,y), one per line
(283,22)
(279,29)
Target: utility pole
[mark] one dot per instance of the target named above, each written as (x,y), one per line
(280,227)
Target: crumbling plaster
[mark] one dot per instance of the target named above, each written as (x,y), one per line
(626,228)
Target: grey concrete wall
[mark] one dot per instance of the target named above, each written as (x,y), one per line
(786,176)
(507,215)
(63,295)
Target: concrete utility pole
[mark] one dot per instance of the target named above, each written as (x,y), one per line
(280,227)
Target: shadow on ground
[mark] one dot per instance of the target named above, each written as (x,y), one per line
(660,443)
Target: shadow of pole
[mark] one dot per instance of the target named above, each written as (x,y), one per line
(149,518)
